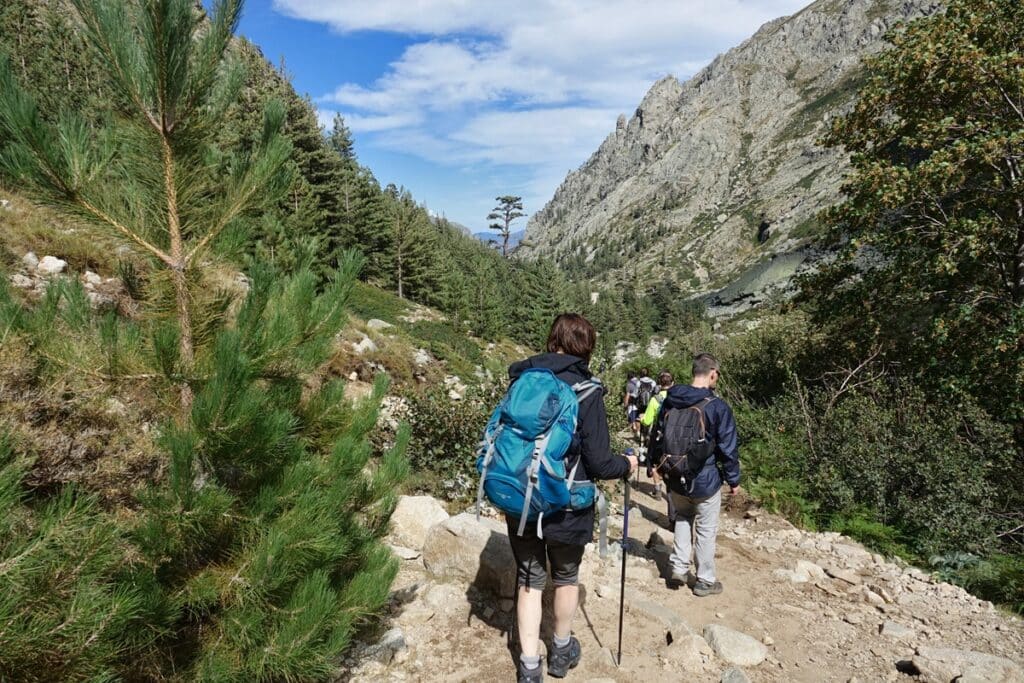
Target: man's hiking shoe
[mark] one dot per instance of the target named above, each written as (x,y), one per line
(525,675)
(702,589)
(561,659)
(675,580)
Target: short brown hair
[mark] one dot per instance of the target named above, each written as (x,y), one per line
(703,364)
(573,334)
(665,379)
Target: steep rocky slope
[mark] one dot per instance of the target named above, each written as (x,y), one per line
(713,175)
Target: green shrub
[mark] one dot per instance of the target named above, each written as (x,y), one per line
(999,578)
(917,466)
(368,302)
(444,441)
(461,353)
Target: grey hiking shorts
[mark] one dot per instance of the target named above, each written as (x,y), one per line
(533,555)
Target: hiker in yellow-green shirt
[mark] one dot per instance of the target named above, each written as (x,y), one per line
(647,420)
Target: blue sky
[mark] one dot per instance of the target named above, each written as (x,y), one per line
(464,100)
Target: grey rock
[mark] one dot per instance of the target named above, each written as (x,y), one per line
(938,664)
(91,278)
(412,519)
(403,553)
(791,575)
(377,325)
(891,629)
(30,260)
(734,675)
(365,345)
(674,622)
(473,552)
(686,653)
(384,650)
(846,575)
(734,647)
(443,596)
(422,357)
(812,570)
(22,282)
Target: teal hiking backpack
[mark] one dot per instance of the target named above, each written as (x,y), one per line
(521,458)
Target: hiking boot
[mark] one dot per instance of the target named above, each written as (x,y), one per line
(678,579)
(702,589)
(525,675)
(561,659)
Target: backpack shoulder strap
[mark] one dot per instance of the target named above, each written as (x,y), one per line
(587,387)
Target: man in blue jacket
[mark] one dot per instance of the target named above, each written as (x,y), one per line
(698,502)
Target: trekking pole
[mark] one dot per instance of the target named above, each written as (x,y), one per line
(622,582)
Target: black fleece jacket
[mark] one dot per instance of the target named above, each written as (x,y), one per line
(591,443)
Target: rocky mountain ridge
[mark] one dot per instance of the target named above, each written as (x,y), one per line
(712,176)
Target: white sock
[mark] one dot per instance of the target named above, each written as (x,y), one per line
(561,643)
(530,662)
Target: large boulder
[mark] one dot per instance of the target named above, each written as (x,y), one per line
(964,666)
(472,552)
(412,519)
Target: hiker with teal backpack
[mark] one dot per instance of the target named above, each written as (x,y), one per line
(545,445)
(694,448)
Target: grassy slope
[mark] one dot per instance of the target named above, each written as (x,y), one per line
(77,426)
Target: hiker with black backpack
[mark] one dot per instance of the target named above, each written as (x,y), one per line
(647,420)
(695,444)
(545,445)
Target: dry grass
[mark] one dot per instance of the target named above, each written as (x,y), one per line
(26,227)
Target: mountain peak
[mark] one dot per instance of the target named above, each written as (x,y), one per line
(684,188)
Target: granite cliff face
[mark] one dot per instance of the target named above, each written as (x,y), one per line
(712,176)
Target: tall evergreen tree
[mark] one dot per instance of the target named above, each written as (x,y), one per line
(411,245)
(509,208)
(340,139)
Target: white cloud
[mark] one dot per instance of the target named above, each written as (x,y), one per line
(536,83)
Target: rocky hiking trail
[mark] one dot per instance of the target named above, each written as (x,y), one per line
(797,606)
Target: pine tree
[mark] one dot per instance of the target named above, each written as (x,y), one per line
(340,140)
(142,178)
(509,208)
(410,245)
(256,553)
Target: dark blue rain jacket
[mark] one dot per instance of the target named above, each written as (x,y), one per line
(721,427)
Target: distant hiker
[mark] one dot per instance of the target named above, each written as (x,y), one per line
(695,436)
(563,533)
(646,389)
(629,402)
(665,382)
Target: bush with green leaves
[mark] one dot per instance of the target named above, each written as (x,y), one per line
(931,471)
(445,438)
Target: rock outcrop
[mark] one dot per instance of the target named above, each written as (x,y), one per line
(412,519)
(712,176)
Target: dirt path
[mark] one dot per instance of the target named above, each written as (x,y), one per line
(862,622)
